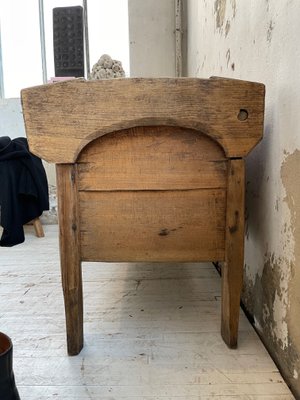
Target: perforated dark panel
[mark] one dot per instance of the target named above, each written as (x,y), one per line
(68,41)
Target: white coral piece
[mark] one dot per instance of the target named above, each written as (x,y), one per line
(101,73)
(105,61)
(116,67)
(119,74)
(107,68)
(109,73)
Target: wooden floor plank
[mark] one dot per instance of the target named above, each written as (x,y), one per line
(151,332)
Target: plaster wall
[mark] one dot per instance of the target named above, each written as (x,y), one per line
(152,38)
(259,41)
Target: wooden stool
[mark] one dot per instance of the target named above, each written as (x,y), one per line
(148,170)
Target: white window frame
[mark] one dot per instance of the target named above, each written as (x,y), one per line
(43,45)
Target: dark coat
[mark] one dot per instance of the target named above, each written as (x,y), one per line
(23,189)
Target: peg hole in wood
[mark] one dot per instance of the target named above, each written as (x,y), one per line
(242,115)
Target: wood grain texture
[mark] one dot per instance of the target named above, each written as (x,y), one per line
(232,269)
(158,175)
(70,259)
(152,158)
(64,117)
(38,227)
(153,225)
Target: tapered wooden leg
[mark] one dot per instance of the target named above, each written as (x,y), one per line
(38,227)
(232,269)
(70,254)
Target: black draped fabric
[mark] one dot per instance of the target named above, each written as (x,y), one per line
(23,189)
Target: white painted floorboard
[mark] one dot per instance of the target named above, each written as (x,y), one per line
(151,332)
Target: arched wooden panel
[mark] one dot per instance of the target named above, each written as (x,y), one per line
(62,118)
(152,158)
(152,194)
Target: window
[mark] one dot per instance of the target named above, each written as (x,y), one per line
(20,43)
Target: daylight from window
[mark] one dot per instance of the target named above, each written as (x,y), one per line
(21,45)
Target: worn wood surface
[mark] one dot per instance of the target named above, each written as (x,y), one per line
(151,332)
(153,225)
(64,117)
(70,258)
(141,196)
(156,189)
(232,269)
(152,158)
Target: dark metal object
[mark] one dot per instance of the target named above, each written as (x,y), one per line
(8,390)
(68,41)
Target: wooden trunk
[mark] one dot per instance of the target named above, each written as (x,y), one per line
(148,170)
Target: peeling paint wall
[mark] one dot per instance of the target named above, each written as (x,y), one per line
(259,41)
